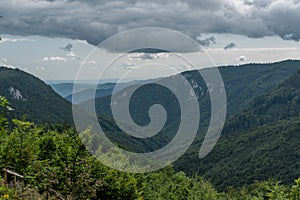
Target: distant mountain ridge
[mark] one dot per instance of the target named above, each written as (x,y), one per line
(33,99)
(244,85)
(260,138)
(86,91)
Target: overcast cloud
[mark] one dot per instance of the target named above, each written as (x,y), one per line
(230,46)
(95,20)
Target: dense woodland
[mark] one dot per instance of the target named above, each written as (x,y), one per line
(262,124)
(260,142)
(257,156)
(57,166)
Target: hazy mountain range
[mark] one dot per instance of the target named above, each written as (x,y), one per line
(260,139)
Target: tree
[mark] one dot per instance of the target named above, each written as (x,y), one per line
(4,108)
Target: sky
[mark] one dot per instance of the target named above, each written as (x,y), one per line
(52,38)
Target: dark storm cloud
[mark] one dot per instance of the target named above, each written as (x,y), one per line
(230,46)
(95,20)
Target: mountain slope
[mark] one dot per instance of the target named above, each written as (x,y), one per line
(37,101)
(260,143)
(85,91)
(243,84)
(88,93)
(259,140)
(32,98)
(66,89)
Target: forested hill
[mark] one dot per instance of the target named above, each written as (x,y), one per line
(243,84)
(32,98)
(260,143)
(35,100)
(260,139)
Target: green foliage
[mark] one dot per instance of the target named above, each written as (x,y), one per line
(295,190)
(5,192)
(167,184)
(260,143)
(57,166)
(250,141)
(4,107)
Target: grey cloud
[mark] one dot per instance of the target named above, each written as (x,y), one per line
(207,41)
(67,48)
(258,3)
(230,46)
(151,39)
(148,56)
(94,20)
